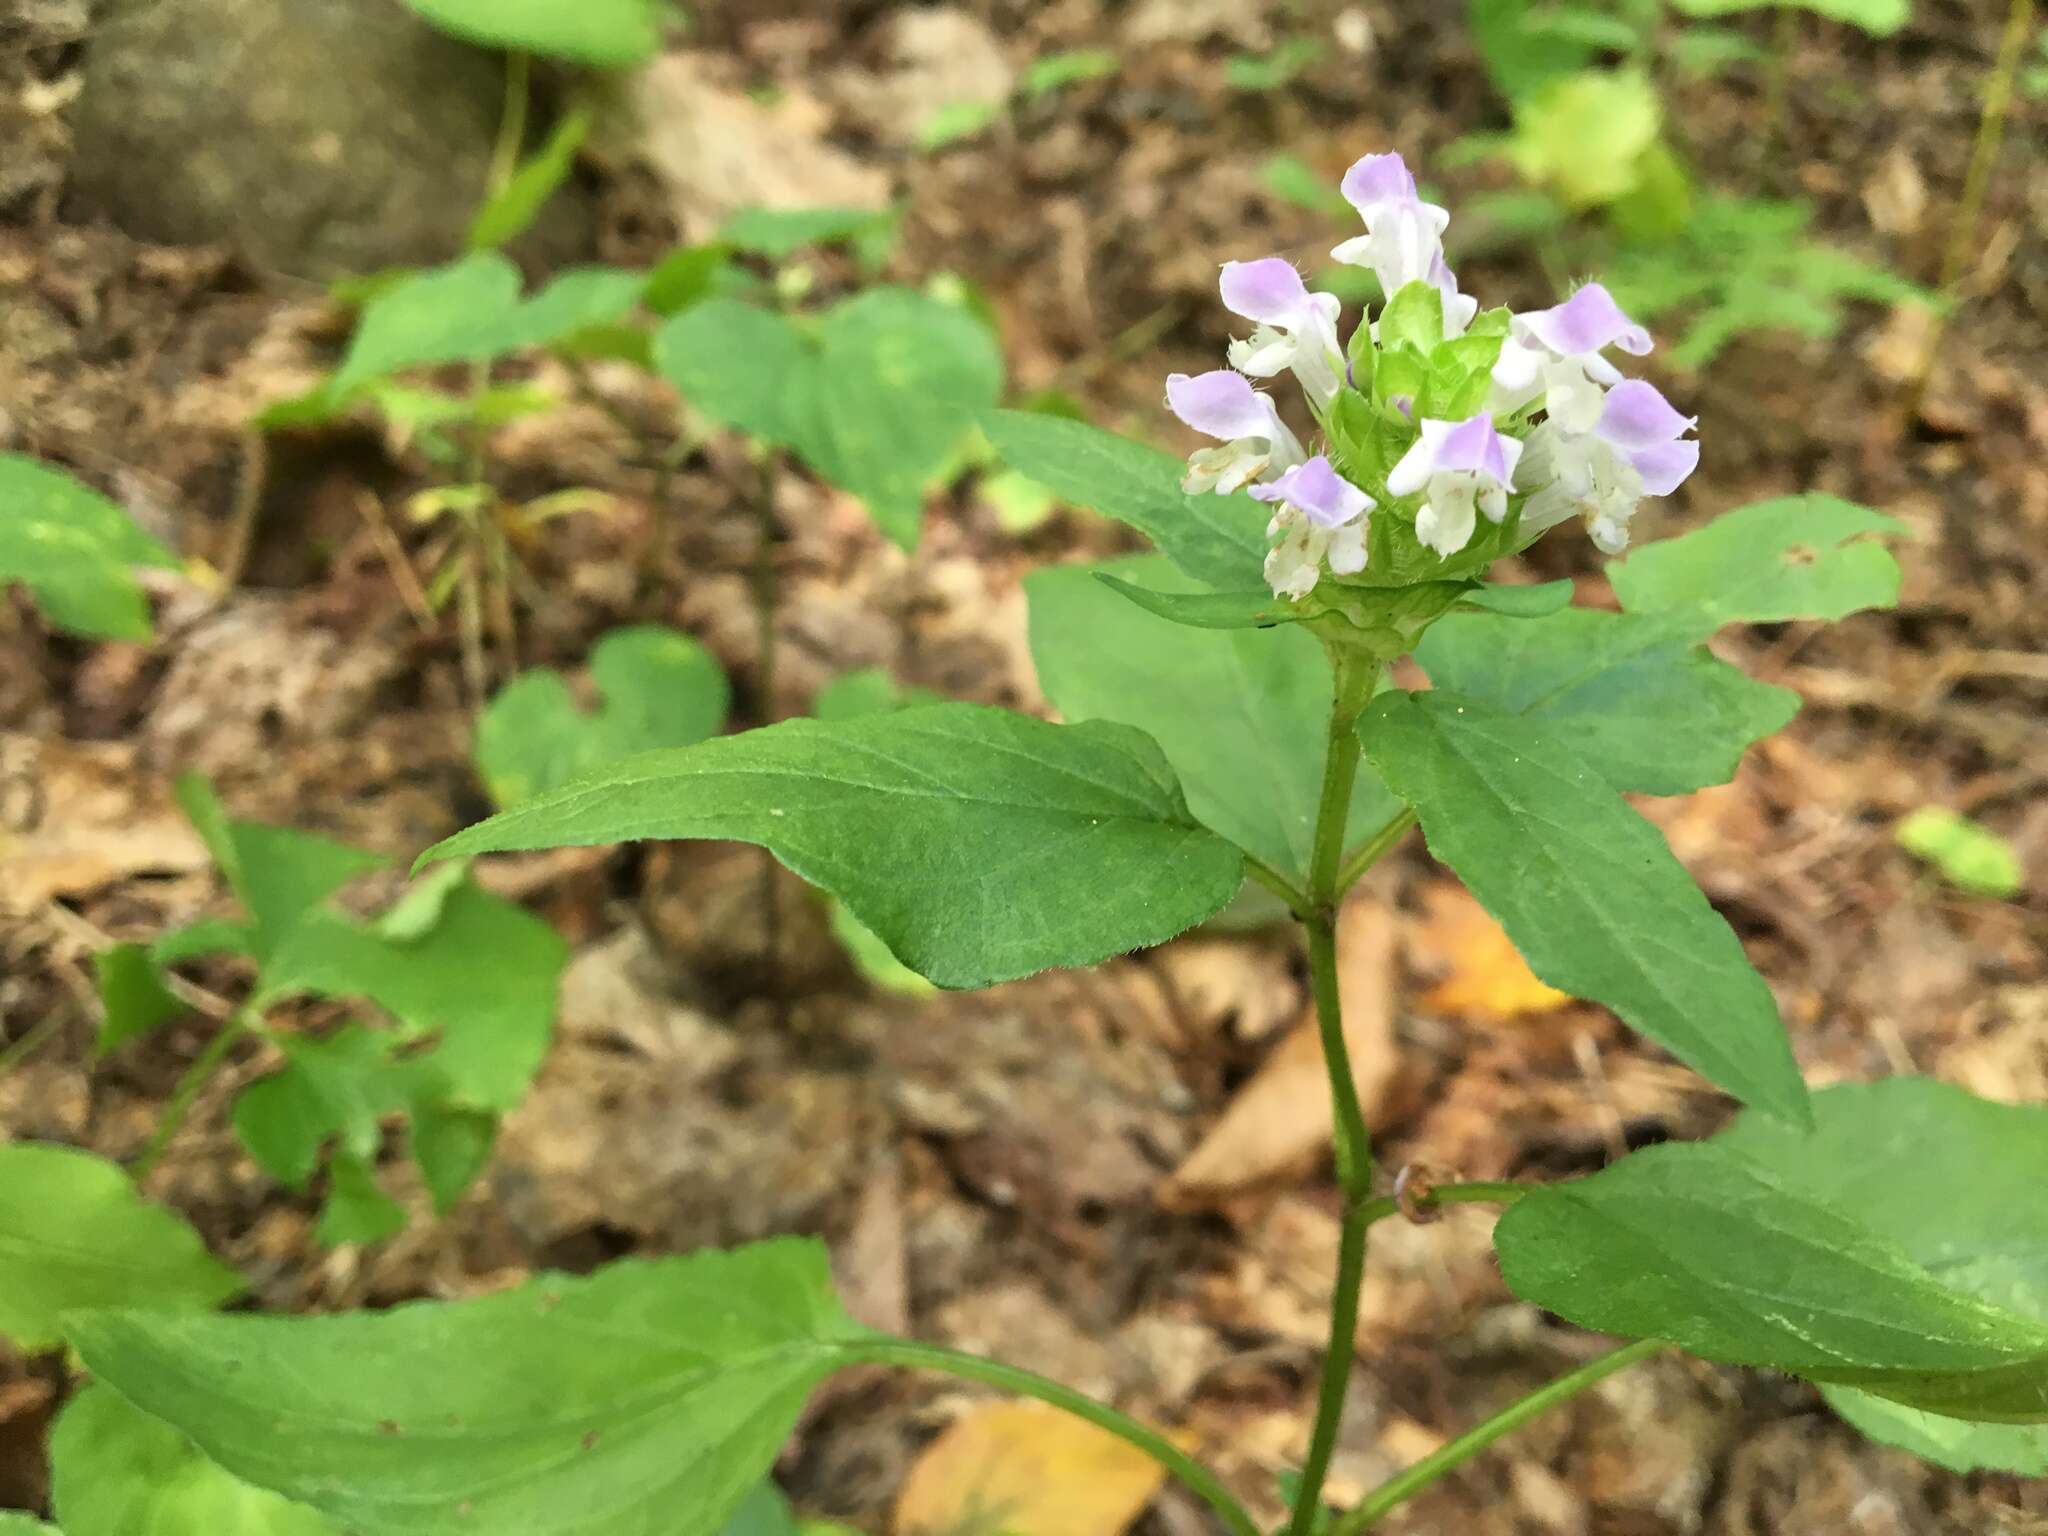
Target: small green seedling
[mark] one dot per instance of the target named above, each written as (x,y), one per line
(75,551)
(427,1036)
(1967,854)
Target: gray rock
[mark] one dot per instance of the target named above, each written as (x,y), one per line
(319,137)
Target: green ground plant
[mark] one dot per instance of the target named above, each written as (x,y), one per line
(1232,719)
(1229,718)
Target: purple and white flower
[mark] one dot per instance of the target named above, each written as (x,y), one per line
(1457,466)
(1321,518)
(1403,239)
(1293,329)
(1256,444)
(1637,448)
(1555,353)
(1564,434)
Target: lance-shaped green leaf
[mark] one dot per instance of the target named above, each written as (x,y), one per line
(646,1400)
(1969,854)
(1587,889)
(15,1523)
(1652,710)
(1880,18)
(659,688)
(607,33)
(115,1471)
(518,203)
(1736,1261)
(960,835)
(1961,1185)
(1796,557)
(1218,540)
(1255,609)
(1238,713)
(1636,691)
(74,1233)
(74,550)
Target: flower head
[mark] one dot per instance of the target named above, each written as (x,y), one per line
(1637,448)
(1556,353)
(1457,466)
(1294,329)
(1256,442)
(1321,517)
(1563,434)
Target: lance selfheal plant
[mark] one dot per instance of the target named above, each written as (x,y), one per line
(1216,729)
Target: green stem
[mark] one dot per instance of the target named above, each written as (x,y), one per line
(511,123)
(182,1097)
(1375,848)
(494,551)
(1010,1378)
(1406,1485)
(2019,22)
(1355,678)
(1278,884)
(38,1037)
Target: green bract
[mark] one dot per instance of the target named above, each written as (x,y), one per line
(74,550)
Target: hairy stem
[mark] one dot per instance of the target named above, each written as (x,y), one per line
(2019,24)
(1406,1485)
(1355,678)
(1199,1480)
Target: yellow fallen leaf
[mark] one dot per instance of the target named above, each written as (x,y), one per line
(1023,1469)
(1484,975)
